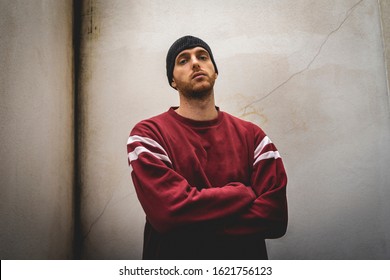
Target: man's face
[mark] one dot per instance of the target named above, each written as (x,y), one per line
(194,74)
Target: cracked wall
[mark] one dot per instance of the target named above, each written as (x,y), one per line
(310,73)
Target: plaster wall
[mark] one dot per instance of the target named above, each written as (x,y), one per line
(311,73)
(385,20)
(36,136)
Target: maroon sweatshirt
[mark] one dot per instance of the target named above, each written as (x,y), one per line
(210,189)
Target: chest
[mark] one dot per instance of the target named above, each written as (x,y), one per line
(212,157)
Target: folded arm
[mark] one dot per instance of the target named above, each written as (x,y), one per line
(167,198)
(268,213)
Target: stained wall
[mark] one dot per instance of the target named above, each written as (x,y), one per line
(312,74)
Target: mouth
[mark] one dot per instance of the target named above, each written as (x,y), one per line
(198,75)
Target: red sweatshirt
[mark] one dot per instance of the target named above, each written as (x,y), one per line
(210,189)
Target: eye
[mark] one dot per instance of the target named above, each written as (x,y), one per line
(203,57)
(182,61)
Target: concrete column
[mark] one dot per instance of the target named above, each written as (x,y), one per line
(36,121)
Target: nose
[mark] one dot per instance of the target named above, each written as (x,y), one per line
(195,62)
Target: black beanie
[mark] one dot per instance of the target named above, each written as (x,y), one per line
(181,44)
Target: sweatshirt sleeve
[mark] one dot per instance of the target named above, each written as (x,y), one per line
(267,216)
(168,200)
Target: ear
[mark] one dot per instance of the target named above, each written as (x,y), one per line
(216,75)
(173,83)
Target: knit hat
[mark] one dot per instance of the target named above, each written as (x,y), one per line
(181,44)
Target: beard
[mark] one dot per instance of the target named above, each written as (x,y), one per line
(200,91)
(197,94)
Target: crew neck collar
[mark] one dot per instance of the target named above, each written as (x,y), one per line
(195,123)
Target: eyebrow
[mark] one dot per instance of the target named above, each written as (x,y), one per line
(186,52)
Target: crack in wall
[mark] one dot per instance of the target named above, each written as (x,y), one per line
(97,219)
(102,213)
(348,14)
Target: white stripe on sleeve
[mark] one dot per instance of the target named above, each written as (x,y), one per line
(261,146)
(267,155)
(145,140)
(139,150)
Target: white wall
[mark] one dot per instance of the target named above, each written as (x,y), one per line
(36,115)
(311,73)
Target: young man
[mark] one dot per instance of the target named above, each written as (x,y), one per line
(212,186)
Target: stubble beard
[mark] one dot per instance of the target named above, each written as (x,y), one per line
(200,94)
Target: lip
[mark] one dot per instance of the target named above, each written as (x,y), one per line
(198,74)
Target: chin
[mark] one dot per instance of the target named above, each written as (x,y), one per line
(205,86)
(199,94)
(199,90)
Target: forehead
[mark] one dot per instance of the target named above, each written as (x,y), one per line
(194,50)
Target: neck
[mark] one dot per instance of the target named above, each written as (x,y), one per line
(198,109)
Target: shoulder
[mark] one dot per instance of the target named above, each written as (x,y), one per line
(244,125)
(151,125)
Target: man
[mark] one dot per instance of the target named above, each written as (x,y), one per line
(212,186)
